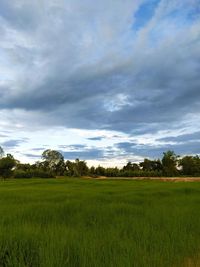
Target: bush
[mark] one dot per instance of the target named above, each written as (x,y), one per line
(22,174)
(32,173)
(41,174)
(140,173)
(6,166)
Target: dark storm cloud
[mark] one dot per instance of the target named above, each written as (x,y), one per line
(154,151)
(87,154)
(182,138)
(13,143)
(97,138)
(19,14)
(84,65)
(84,152)
(71,152)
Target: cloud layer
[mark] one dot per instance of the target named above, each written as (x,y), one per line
(130,67)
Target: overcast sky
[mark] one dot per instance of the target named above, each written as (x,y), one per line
(106,81)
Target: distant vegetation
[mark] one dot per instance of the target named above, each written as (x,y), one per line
(52,164)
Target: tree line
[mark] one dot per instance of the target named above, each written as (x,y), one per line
(53,164)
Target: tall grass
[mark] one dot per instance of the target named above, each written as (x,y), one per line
(90,223)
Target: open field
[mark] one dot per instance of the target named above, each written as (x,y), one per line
(99,223)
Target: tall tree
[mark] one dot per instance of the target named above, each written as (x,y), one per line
(1,152)
(151,165)
(190,165)
(54,161)
(169,162)
(80,167)
(77,168)
(131,167)
(6,166)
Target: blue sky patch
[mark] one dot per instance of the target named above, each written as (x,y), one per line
(144,14)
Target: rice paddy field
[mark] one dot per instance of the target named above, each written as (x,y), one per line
(99,223)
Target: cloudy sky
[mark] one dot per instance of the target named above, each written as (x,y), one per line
(106,81)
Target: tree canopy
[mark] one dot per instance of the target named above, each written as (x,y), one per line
(6,166)
(1,152)
(53,164)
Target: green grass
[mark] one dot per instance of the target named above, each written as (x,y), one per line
(93,223)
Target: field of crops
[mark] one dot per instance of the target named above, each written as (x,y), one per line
(94,223)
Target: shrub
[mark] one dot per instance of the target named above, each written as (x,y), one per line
(32,173)
(22,174)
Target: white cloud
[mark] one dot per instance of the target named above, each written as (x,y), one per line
(80,65)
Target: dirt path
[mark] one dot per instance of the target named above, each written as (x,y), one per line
(164,179)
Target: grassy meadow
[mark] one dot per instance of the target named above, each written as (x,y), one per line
(99,223)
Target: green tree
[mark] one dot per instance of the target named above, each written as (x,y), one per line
(92,171)
(6,166)
(169,162)
(190,165)
(69,168)
(100,171)
(54,161)
(80,167)
(1,152)
(131,167)
(77,168)
(112,172)
(151,165)
(23,166)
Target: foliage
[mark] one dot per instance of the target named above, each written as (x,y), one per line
(77,168)
(21,174)
(53,164)
(151,165)
(190,165)
(32,174)
(169,162)
(54,161)
(131,167)
(6,166)
(100,171)
(1,152)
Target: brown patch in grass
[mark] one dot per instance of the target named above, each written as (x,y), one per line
(190,262)
(164,179)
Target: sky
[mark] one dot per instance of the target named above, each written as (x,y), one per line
(107,81)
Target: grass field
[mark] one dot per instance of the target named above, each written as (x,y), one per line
(93,223)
